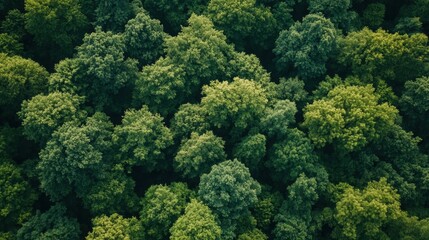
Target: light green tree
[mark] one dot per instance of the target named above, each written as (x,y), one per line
(114,227)
(198,222)
(197,154)
(142,138)
(43,114)
(349,117)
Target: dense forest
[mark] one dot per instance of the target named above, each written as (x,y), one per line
(214,119)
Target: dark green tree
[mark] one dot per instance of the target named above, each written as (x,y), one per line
(250,151)
(338,11)
(229,190)
(16,197)
(50,225)
(10,45)
(113,15)
(174,13)
(57,27)
(373,15)
(245,23)
(294,155)
(144,39)
(73,155)
(414,103)
(101,72)
(306,46)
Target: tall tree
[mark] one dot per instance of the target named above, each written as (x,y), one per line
(229,190)
(363,213)
(394,57)
(306,46)
(198,222)
(349,117)
(43,114)
(142,138)
(20,79)
(144,39)
(197,154)
(245,23)
(162,206)
(238,105)
(102,73)
(74,155)
(114,227)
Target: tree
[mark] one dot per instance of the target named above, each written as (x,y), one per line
(173,14)
(414,104)
(114,227)
(74,155)
(144,39)
(306,46)
(50,225)
(278,118)
(16,197)
(162,206)
(294,218)
(349,117)
(373,15)
(238,105)
(197,154)
(408,25)
(244,22)
(198,222)
(337,11)
(161,86)
(10,45)
(14,24)
(363,213)
(102,74)
(43,114)
(112,192)
(189,118)
(113,15)
(229,190)
(55,24)
(20,79)
(294,155)
(201,51)
(248,66)
(292,89)
(250,151)
(394,57)
(255,234)
(142,138)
